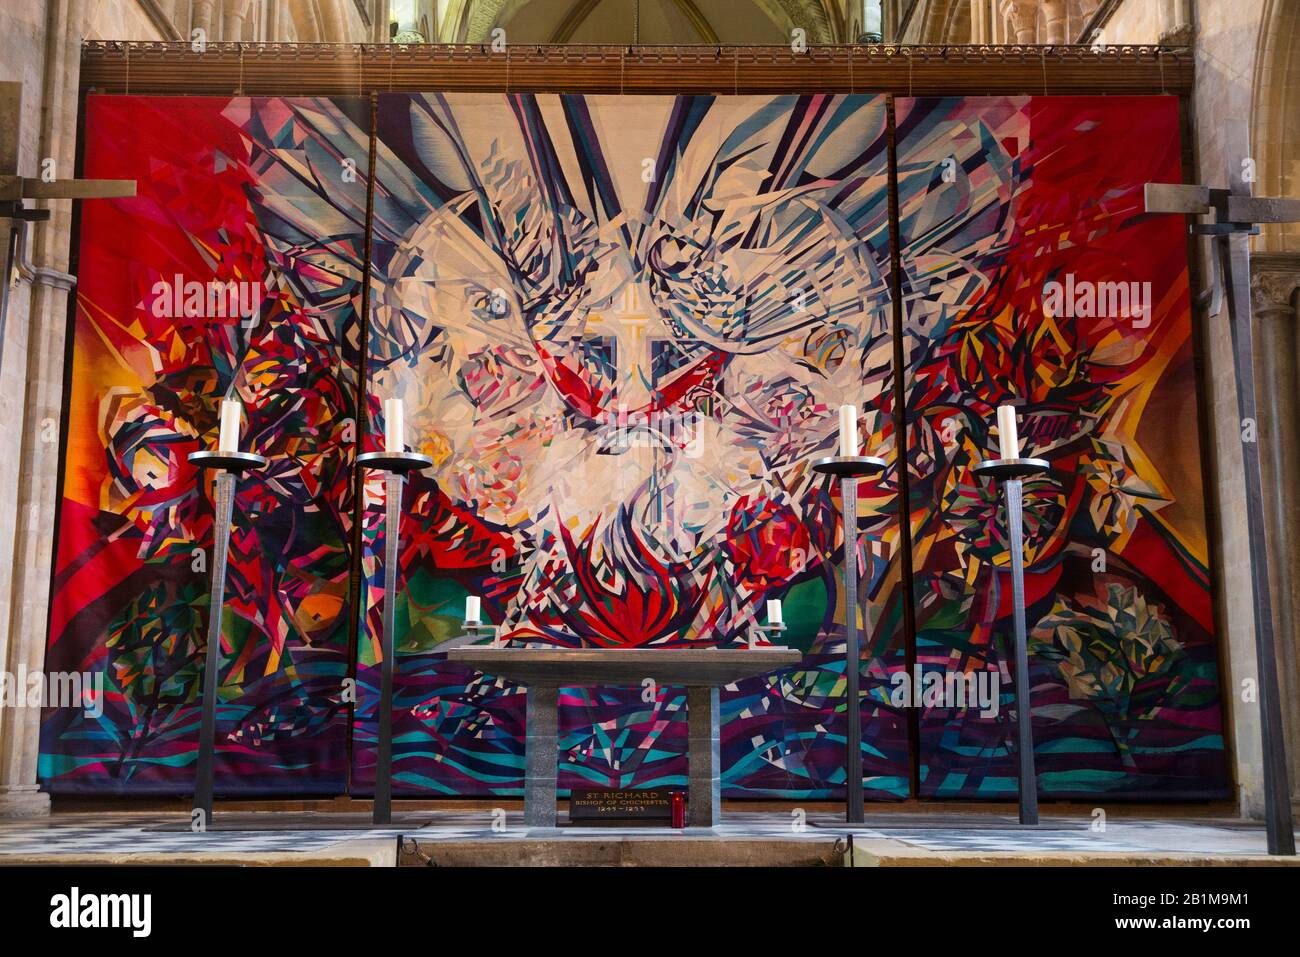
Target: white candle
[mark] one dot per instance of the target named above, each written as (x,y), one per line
(848,430)
(228,440)
(774,612)
(1008,441)
(394,440)
(473,610)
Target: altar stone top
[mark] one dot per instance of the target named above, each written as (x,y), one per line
(697,667)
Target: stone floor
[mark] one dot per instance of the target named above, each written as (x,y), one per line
(495,836)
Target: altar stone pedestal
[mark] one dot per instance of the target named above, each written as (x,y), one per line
(543,671)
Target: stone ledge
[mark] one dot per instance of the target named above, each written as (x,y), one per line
(892,854)
(361,853)
(617,852)
(24,803)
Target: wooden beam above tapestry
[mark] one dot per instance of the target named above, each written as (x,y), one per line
(337,69)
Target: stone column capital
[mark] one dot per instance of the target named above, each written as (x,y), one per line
(1274,278)
(1023,16)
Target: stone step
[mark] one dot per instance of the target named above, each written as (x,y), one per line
(669,851)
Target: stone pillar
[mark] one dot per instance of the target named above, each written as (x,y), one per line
(233,15)
(1023,17)
(979,22)
(889,20)
(274,10)
(30,510)
(379,29)
(1055,21)
(333,22)
(703,758)
(541,755)
(1274,280)
(203,17)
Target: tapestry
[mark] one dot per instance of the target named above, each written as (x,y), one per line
(1032,276)
(622,328)
(236,271)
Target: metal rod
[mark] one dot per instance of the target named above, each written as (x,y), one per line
(203,778)
(854,812)
(10,228)
(1235,256)
(383,810)
(1013,494)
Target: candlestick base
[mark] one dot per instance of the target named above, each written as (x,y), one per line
(1011,468)
(850,466)
(394,461)
(236,462)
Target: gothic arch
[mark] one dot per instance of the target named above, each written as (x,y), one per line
(1275,104)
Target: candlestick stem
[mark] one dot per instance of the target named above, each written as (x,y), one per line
(854,811)
(1028,790)
(224,504)
(383,809)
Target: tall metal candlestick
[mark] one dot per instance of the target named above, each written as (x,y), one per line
(850,468)
(227,465)
(1010,472)
(394,465)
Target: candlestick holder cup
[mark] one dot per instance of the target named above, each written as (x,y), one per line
(479,628)
(761,634)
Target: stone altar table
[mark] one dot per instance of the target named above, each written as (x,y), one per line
(543,671)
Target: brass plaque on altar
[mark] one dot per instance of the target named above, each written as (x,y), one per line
(591,805)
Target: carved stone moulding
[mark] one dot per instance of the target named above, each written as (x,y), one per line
(1274,278)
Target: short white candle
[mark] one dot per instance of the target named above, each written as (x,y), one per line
(774,612)
(1008,441)
(228,439)
(848,430)
(394,440)
(473,610)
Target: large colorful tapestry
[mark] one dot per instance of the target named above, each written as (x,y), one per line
(1032,276)
(622,328)
(235,272)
